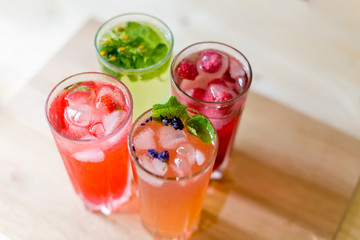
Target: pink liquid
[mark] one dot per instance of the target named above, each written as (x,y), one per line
(85,118)
(215,83)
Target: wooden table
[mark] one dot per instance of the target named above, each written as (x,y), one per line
(290,177)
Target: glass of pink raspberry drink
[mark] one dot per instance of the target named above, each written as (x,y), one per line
(173,149)
(214,78)
(90,115)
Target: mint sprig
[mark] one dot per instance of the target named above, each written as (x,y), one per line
(170,109)
(136,46)
(199,126)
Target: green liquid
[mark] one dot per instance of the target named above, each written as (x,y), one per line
(133,47)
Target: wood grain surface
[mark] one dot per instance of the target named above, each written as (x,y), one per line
(290,176)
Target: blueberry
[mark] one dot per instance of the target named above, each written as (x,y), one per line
(163,156)
(177,123)
(152,153)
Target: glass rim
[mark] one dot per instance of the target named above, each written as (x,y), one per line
(115,131)
(234,99)
(138,70)
(189,176)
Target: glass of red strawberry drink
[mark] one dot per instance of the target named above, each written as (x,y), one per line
(90,115)
(215,79)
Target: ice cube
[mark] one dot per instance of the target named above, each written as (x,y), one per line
(219,123)
(159,167)
(197,93)
(105,90)
(115,93)
(169,138)
(187,153)
(145,139)
(236,69)
(181,167)
(153,165)
(81,95)
(200,157)
(146,162)
(218,93)
(113,120)
(76,132)
(78,115)
(97,130)
(207,75)
(90,155)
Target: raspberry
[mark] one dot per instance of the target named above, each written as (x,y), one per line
(218,92)
(197,93)
(188,71)
(217,81)
(210,61)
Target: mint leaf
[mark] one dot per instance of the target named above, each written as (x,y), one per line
(81,88)
(172,108)
(132,78)
(72,85)
(160,52)
(152,37)
(134,30)
(200,127)
(139,62)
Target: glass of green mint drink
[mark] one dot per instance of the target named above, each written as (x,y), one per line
(137,48)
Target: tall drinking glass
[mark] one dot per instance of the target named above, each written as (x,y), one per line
(137,49)
(90,115)
(173,169)
(215,79)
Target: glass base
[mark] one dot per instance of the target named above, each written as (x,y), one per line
(112,205)
(219,172)
(183,236)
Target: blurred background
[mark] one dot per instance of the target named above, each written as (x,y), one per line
(304,53)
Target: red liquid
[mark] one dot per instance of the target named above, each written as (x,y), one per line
(220,82)
(92,147)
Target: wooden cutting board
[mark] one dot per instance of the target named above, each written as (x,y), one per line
(290,177)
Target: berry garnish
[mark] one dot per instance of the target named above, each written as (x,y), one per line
(188,71)
(162,155)
(107,102)
(218,92)
(174,113)
(197,93)
(175,122)
(217,81)
(210,61)
(152,153)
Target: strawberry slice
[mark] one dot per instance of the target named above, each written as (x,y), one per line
(106,102)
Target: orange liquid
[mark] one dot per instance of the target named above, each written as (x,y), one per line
(171,208)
